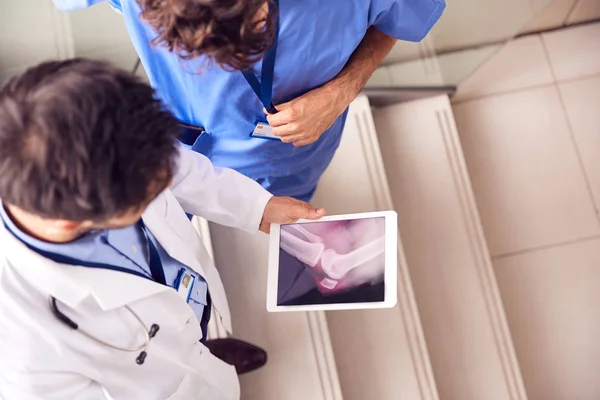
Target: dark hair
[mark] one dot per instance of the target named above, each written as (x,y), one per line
(225,31)
(82,140)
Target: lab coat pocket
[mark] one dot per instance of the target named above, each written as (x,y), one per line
(214,380)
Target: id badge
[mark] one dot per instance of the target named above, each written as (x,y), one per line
(185,284)
(263,130)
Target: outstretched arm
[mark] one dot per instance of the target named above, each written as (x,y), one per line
(229,198)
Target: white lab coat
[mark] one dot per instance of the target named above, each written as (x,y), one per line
(41,358)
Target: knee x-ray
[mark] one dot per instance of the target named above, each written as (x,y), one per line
(332,262)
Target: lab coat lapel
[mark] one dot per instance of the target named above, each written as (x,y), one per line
(166,220)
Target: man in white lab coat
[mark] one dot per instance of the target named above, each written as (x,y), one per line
(105,286)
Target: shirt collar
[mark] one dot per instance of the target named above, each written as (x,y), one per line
(71,285)
(36,243)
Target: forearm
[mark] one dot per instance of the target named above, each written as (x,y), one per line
(366,58)
(220,195)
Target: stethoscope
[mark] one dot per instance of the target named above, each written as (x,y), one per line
(149,334)
(157,274)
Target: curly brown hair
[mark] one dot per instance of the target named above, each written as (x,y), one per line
(232,33)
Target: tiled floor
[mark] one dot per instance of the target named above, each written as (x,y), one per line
(520,64)
(529,122)
(564,13)
(582,99)
(552,300)
(585,10)
(525,171)
(532,140)
(467,23)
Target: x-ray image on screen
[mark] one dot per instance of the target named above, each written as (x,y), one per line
(332,262)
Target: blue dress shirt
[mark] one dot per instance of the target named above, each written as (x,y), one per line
(126,248)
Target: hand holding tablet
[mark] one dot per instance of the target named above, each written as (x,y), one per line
(335,263)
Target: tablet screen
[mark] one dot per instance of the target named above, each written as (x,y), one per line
(332,262)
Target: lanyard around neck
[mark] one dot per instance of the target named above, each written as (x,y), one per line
(156,267)
(264,89)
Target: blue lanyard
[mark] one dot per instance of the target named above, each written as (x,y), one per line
(156,268)
(264,89)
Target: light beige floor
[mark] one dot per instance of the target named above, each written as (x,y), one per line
(529,122)
(564,13)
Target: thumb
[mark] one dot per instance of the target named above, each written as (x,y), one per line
(306,211)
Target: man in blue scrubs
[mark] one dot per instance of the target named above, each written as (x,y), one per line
(326,50)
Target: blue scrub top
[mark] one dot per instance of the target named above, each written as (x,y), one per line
(316,39)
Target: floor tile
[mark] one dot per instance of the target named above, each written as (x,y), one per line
(421,72)
(574,52)
(525,171)
(459,65)
(520,64)
(551,299)
(551,16)
(467,23)
(405,51)
(380,78)
(582,102)
(586,10)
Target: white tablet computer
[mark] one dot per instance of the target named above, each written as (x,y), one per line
(342,262)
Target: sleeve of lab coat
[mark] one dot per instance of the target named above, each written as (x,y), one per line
(70,5)
(220,195)
(409,20)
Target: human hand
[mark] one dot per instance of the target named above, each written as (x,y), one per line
(303,120)
(286,210)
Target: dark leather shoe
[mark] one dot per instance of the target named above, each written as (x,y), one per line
(245,357)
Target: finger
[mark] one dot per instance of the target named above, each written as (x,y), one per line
(281,118)
(293,139)
(306,211)
(291,129)
(290,139)
(278,107)
(265,228)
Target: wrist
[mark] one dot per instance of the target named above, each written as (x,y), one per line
(263,201)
